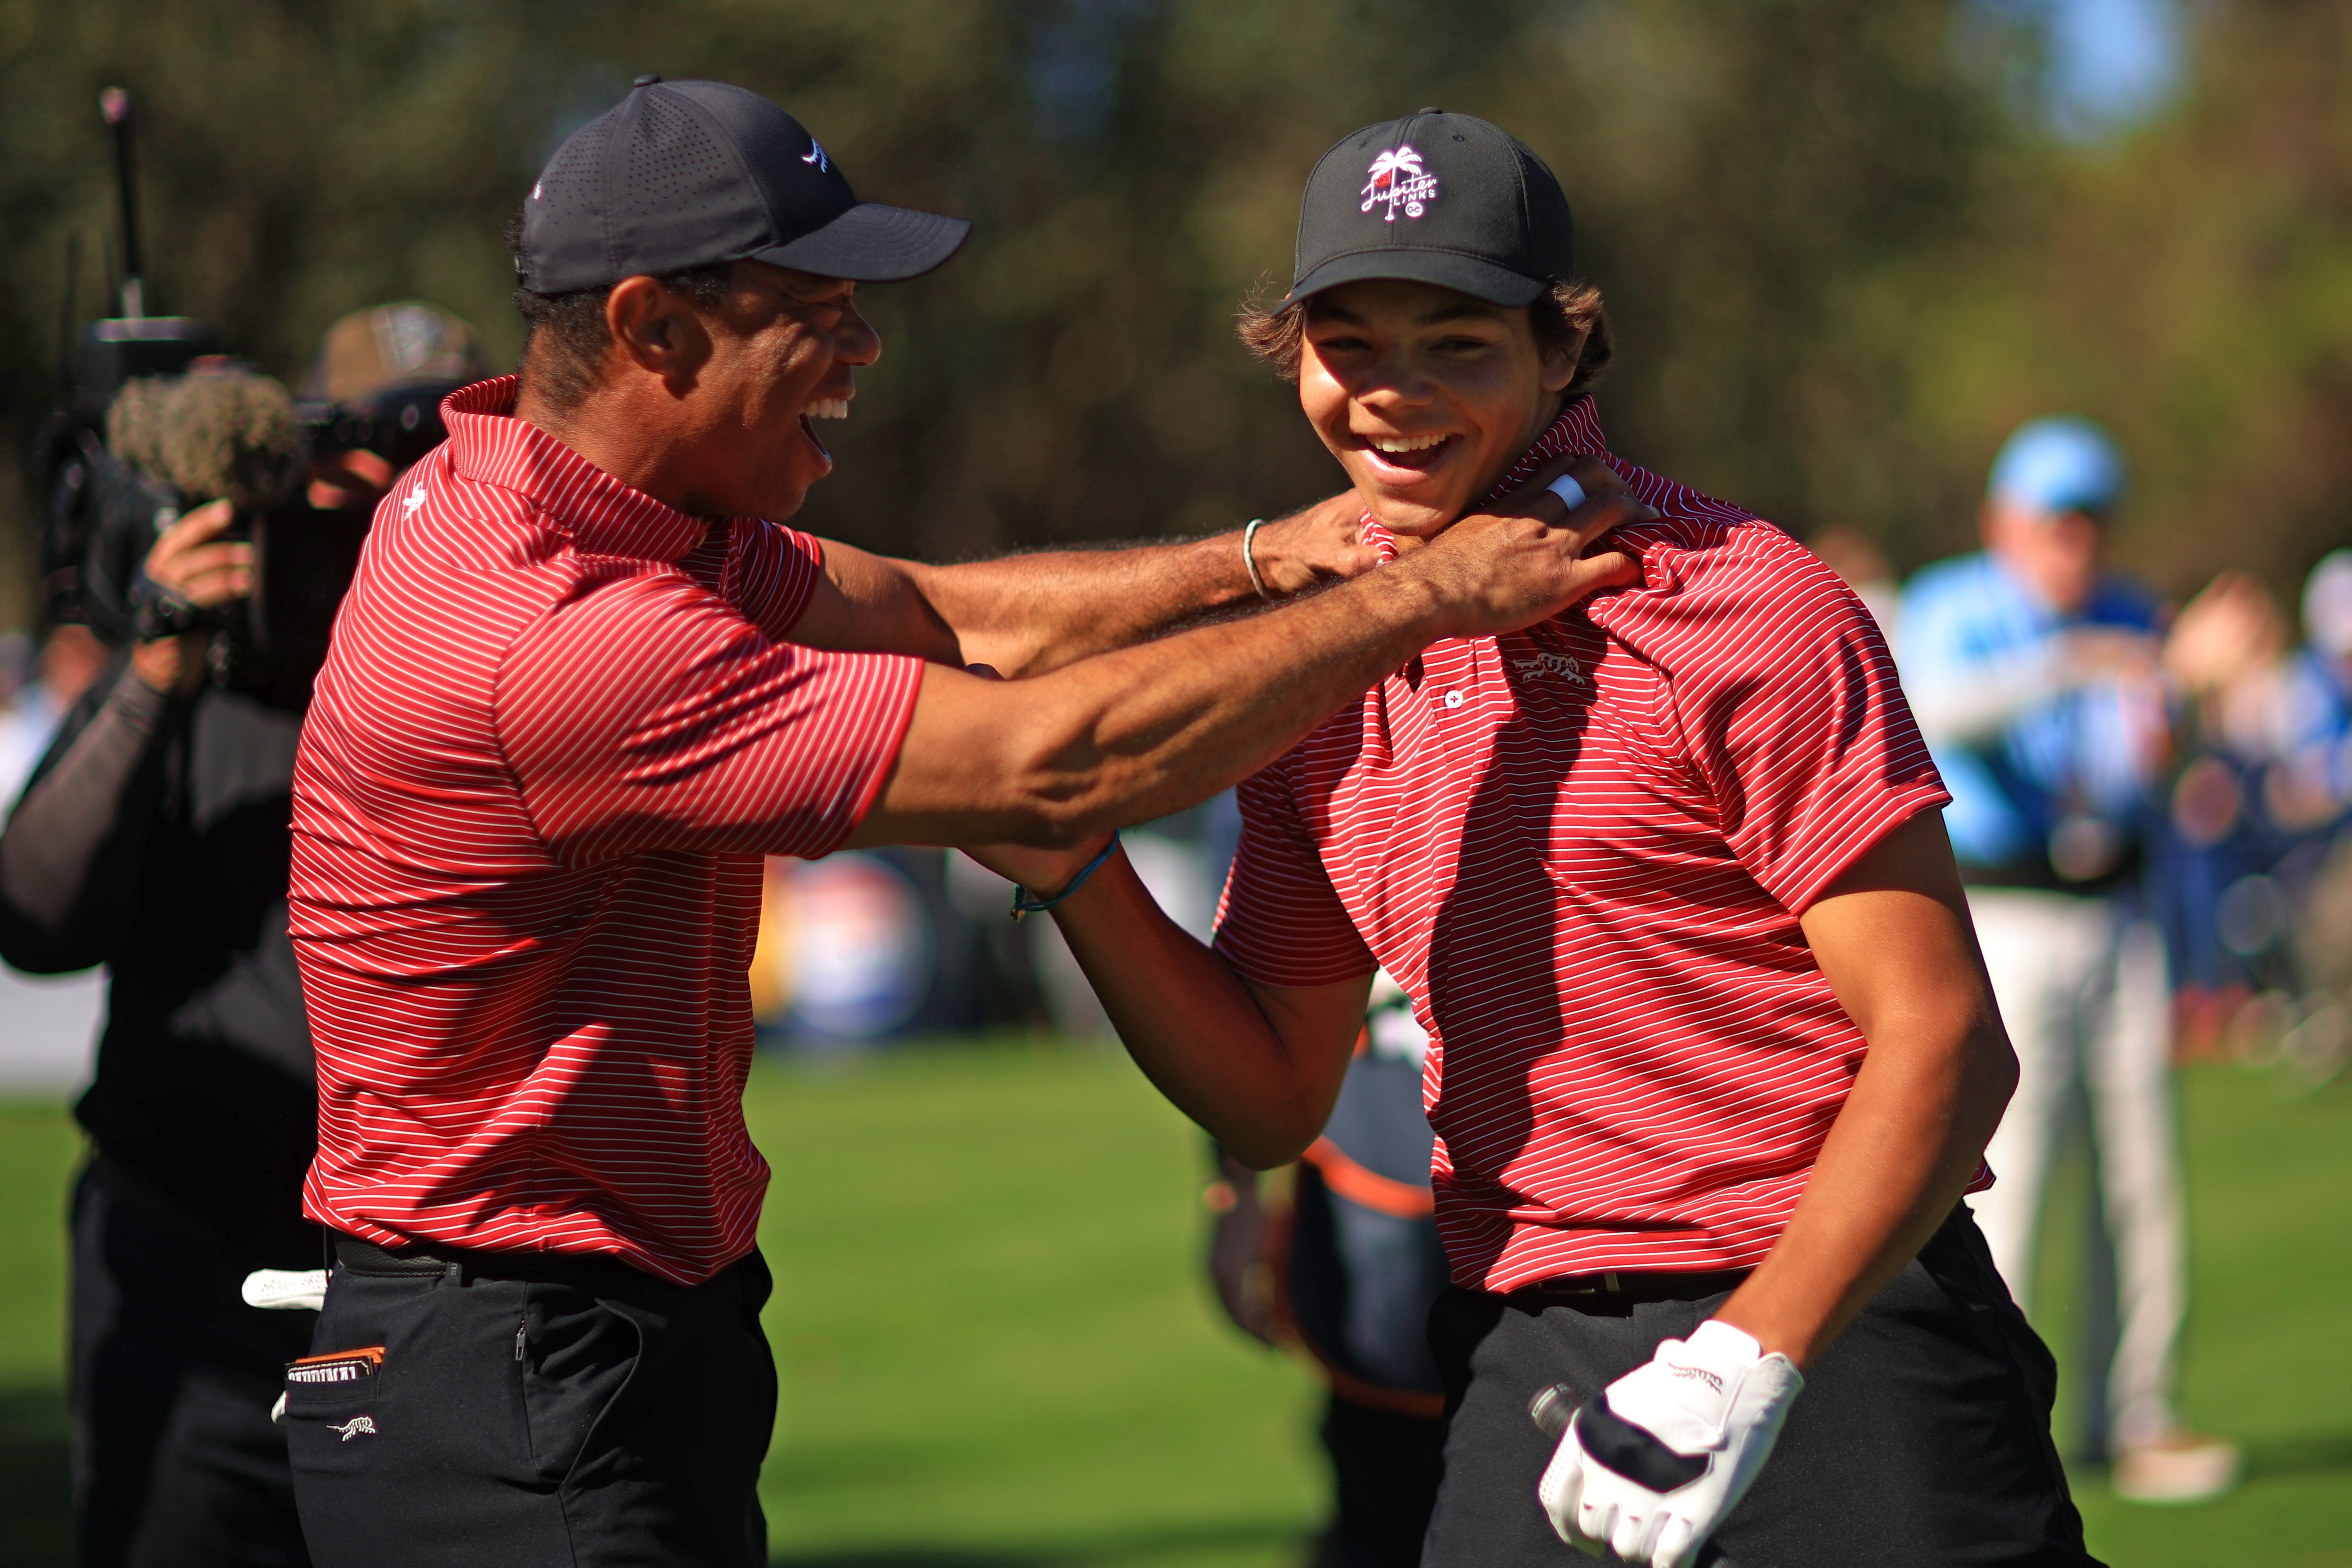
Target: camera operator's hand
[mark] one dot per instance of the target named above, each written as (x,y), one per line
(190,560)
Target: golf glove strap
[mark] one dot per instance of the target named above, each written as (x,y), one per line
(1650,1466)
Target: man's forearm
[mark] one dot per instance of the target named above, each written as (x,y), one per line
(53,855)
(1973,708)
(1026,614)
(1139,733)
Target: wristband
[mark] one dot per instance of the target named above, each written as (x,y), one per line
(158,612)
(1249,562)
(1023,904)
(1567,490)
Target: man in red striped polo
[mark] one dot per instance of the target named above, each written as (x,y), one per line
(1713,1057)
(577,688)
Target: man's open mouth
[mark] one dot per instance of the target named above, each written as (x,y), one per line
(1403,459)
(823,408)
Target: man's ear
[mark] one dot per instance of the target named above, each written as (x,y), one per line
(655,330)
(1560,365)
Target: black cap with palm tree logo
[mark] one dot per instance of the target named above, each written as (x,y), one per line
(1437,198)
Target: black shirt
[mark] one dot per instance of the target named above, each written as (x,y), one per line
(154,838)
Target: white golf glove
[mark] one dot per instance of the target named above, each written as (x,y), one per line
(287,1289)
(1650,1466)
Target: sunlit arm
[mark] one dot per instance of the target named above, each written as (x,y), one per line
(1026,614)
(1893,935)
(1258,1067)
(1137,733)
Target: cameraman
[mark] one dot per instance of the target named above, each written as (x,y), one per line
(153,838)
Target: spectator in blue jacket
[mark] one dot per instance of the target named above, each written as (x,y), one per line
(2033,672)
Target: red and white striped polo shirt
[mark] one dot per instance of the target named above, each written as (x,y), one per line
(1582,850)
(560,726)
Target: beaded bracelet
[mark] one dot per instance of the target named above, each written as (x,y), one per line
(1023,904)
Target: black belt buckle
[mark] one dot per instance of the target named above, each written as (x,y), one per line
(1601,1284)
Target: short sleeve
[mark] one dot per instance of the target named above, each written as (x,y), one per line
(1281,923)
(648,713)
(1791,713)
(773,571)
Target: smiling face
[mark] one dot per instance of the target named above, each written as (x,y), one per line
(1425,395)
(784,347)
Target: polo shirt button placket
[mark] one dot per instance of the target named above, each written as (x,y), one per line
(1453,699)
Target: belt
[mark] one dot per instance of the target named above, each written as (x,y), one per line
(590,1271)
(1614,1288)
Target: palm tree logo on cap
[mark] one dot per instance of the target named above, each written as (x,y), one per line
(1399,181)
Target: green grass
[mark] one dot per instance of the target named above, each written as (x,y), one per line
(994,1341)
(2268,1361)
(997,1352)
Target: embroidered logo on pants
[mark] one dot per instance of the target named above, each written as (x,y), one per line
(357,1426)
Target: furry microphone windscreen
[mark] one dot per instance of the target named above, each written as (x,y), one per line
(210,434)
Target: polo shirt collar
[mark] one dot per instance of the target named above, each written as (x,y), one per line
(602,515)
(1576,433)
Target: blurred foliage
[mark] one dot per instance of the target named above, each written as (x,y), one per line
(1839,264)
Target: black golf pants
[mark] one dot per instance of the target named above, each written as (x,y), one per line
(531,1411)
(1922,1437)
(175,1464)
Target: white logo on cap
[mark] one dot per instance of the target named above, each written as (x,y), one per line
(815,154)
(535,186)
(1398,181)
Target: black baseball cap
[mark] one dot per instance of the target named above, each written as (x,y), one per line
(1437,198)
(692,174)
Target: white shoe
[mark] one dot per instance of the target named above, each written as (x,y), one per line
(2179,1466)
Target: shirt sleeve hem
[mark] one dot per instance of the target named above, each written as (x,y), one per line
(1894,810)
(887,764)
(813,548)
(1298,979)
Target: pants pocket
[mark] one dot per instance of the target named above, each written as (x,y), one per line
(345,1441)
(579,1357)
(428,1459)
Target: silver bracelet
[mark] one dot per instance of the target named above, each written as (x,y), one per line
(1249,562)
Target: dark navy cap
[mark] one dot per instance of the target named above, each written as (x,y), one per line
(1436,198)
(692,174)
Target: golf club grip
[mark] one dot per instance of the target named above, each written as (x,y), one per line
(1554,1407)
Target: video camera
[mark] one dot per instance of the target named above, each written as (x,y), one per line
(151,421)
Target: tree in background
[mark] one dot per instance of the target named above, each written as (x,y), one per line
(1841,265)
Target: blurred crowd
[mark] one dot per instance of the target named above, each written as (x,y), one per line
(2243,799)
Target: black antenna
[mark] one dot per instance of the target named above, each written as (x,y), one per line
(66,320)
(114,103)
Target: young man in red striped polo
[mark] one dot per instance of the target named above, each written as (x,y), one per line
(1713,1053)
(579,687)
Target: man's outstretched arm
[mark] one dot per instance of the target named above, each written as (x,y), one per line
(1141,731)
(1894,938)
(1026,614)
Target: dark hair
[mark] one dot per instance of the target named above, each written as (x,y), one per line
(566,337)
(1279,336)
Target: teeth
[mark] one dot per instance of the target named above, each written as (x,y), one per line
(1405,443)
(829,408)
